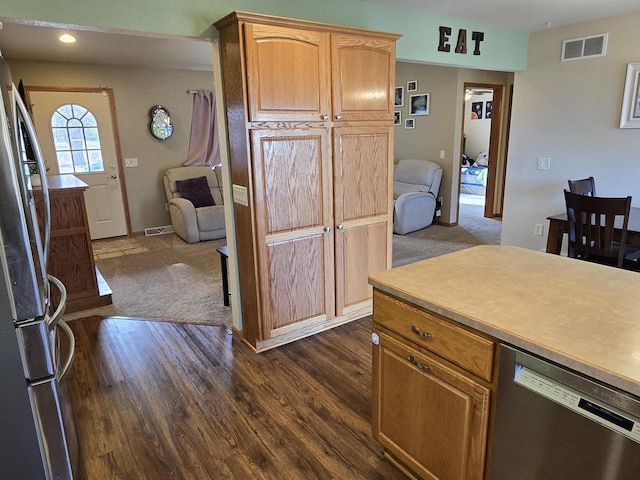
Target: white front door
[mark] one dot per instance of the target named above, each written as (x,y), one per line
(76,134)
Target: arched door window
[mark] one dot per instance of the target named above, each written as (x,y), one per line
(76,140)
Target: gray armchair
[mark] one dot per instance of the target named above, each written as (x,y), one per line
(415,190)
(195,223)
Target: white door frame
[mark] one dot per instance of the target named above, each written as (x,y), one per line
(116,134)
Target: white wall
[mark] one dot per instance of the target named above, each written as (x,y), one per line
(569,112)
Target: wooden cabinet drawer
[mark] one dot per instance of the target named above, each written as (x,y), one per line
(461,347)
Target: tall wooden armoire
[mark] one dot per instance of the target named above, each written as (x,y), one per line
(310,120)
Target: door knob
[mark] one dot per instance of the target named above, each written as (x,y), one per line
(114,176)
(340,227)
(325,117)
(327,229)
(338,117)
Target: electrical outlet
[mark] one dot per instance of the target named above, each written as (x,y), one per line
(441,154)
(440,200)
(538,230)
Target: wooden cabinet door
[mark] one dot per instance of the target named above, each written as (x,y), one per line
(293,217)
(363,73)
(287,73)
(362,199)
(431,417)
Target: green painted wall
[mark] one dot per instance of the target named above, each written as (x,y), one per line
(502,49)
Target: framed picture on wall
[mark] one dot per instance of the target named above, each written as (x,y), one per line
(488,108)
(412,86)
(397,117)
(476,110)
(630,117)
(399,102)
(419,104)
(410,123)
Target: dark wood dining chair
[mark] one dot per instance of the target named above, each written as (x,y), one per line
(598,230)
(585,186)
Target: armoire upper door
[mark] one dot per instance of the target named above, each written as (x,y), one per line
(294,234)
(287,73)
(363,73)
(362,200)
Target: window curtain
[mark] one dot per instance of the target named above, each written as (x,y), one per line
(204,144)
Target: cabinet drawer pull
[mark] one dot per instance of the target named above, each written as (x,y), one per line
(422,366)
(417,331)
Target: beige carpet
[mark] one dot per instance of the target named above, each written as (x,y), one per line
(161,278)
(473,229)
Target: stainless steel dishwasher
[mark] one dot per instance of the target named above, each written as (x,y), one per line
(552,423)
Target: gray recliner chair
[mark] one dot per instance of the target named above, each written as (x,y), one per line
(195,223)
(415,190)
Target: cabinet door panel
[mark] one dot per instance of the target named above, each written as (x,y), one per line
(431,417)
(362,170)
(362,196)
(287,73)
(291,180)
(293,206)
(363,73)
(297,277)
(360,251)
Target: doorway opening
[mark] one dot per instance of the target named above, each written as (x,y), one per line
(480,162)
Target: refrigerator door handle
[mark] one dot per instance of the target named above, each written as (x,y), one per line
(59,311)
(42,171)
(66,365)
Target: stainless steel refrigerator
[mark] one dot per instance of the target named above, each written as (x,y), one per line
(37,439)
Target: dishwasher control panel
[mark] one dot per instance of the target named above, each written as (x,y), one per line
(605,415)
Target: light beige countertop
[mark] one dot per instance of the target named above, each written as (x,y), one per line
(63,182)
(581,315)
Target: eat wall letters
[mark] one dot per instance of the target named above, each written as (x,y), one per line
(461,45)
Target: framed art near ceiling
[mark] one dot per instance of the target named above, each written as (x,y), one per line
(630,117)
(399,102)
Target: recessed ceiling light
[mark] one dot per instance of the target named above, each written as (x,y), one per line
(67,38)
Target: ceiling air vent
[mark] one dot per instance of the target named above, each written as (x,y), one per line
(585,47)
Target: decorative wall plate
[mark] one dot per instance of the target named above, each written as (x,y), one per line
(160,126)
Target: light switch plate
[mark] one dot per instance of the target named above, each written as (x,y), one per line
(240,195)
(131,162)
(544,163)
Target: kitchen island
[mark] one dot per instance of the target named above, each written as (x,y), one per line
(438,325)
(71,253)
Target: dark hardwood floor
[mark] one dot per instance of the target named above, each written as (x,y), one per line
(156,400)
